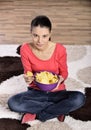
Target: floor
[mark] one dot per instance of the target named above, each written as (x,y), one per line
(79,66)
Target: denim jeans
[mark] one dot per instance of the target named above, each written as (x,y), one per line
(46,105)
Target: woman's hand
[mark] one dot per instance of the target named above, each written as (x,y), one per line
(28,78)
(61,79)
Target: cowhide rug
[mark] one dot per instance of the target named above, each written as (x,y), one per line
(12,124)
(12,82)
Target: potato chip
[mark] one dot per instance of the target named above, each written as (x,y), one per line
(46,77)
(29,73)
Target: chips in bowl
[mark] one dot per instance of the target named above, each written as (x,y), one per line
(46,77)
(46,80)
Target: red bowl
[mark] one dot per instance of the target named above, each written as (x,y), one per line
(46,87)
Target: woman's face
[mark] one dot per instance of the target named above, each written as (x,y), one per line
(40,36)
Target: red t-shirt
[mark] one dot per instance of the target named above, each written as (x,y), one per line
(57,63)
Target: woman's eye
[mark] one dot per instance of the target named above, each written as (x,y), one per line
(35,35)
(44,36)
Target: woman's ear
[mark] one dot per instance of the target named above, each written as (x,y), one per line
(50,36)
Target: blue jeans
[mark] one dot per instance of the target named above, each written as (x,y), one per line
(46,105)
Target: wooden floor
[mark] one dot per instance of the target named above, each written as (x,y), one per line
(71,20)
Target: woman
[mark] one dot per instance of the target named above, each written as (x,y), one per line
(44,55)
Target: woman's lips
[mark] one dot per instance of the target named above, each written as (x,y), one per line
(39,45)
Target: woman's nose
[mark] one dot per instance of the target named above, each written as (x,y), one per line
(39,39)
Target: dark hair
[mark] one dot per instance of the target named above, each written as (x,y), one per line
(42,21)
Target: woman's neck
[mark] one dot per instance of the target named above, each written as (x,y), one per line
(44,49)
(46,53)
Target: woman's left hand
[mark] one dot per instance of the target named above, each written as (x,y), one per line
(61,79)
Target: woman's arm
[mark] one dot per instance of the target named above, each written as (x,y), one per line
(63,68)
(26,65)
(24,59)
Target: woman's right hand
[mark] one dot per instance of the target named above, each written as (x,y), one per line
(28,79)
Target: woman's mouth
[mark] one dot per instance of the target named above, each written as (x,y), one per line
(39,45)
